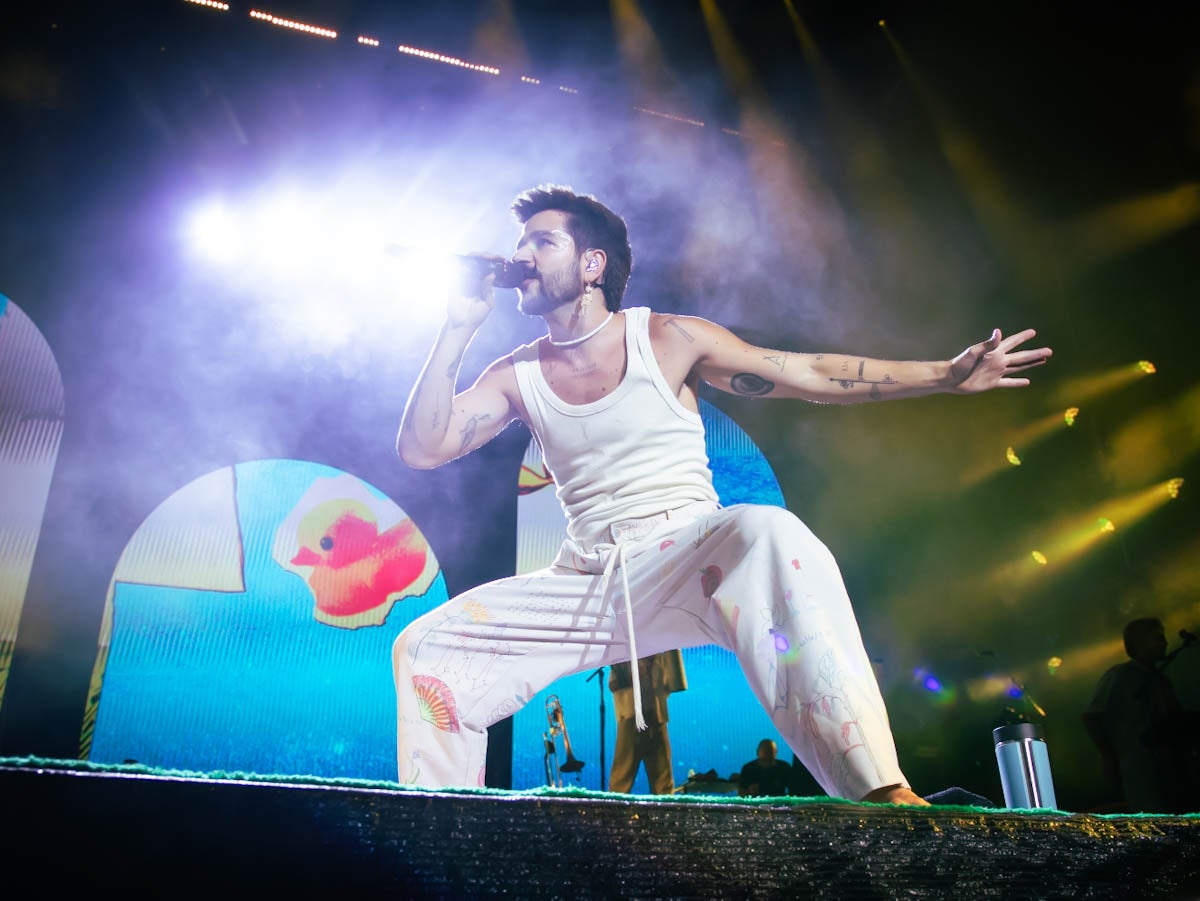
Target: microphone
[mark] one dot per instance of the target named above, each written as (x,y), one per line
(472,269)
(508,274)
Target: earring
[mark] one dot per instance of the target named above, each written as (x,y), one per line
(587,297)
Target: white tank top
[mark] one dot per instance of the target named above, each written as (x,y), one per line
(633,453)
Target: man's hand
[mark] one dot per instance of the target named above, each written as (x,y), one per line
(469,304)
(992,363)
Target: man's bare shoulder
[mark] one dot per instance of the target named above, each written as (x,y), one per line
(680,327)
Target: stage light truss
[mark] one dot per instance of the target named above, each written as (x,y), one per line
(445,59)
(292,24)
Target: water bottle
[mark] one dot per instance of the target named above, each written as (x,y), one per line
(1024,766)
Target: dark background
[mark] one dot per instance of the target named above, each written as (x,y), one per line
(1029,166)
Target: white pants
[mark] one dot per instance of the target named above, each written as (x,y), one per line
(750,578)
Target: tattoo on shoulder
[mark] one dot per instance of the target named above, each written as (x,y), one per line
(674,323)
(751,385)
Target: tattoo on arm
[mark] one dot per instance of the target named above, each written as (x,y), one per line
(436,420)
(779,361)
(751,385)
(674,323)
(849,383)
(468,430)
(452,369)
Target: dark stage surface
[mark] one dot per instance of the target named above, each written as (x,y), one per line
(182,836)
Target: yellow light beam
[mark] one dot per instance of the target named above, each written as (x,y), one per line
(1086,661)
(641,53)
(735,66)
(1081,389)
(1074,534)
(1126,225)
(1073,663)
(1022,439)
(808,46)
(1014,229)
(1172,592)
(1156,441)
(498,38)
(796,205)
(878,189)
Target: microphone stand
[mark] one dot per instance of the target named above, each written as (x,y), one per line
(600,685)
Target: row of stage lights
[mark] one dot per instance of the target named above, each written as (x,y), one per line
(1070,541)
(1068,547)
(432,55)
(1136,505)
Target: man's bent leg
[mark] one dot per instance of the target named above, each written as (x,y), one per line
(479,658)
(775,597)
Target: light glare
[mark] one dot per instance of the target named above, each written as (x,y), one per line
(215,232)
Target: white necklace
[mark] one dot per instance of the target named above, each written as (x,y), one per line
(573,341)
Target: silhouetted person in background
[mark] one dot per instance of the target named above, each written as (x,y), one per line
(766,775)
(1182,668)
(1131,719)
(659,674)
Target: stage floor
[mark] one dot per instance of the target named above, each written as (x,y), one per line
(154,834)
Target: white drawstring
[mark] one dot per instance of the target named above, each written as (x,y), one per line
(617,558)
(623,533)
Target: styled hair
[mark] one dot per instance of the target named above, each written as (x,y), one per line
(1137,629)
(591,225)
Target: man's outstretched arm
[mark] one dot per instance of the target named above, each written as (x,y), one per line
(730,364)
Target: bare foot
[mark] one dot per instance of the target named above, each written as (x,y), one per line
(896,794)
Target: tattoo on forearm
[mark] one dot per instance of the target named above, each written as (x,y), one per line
(452,369)
(779,361)
(849,383)
(751,385)
(679,328)
(468,430)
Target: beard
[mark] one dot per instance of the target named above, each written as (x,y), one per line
(551,290)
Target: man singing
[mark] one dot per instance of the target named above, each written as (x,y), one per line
(652,561)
